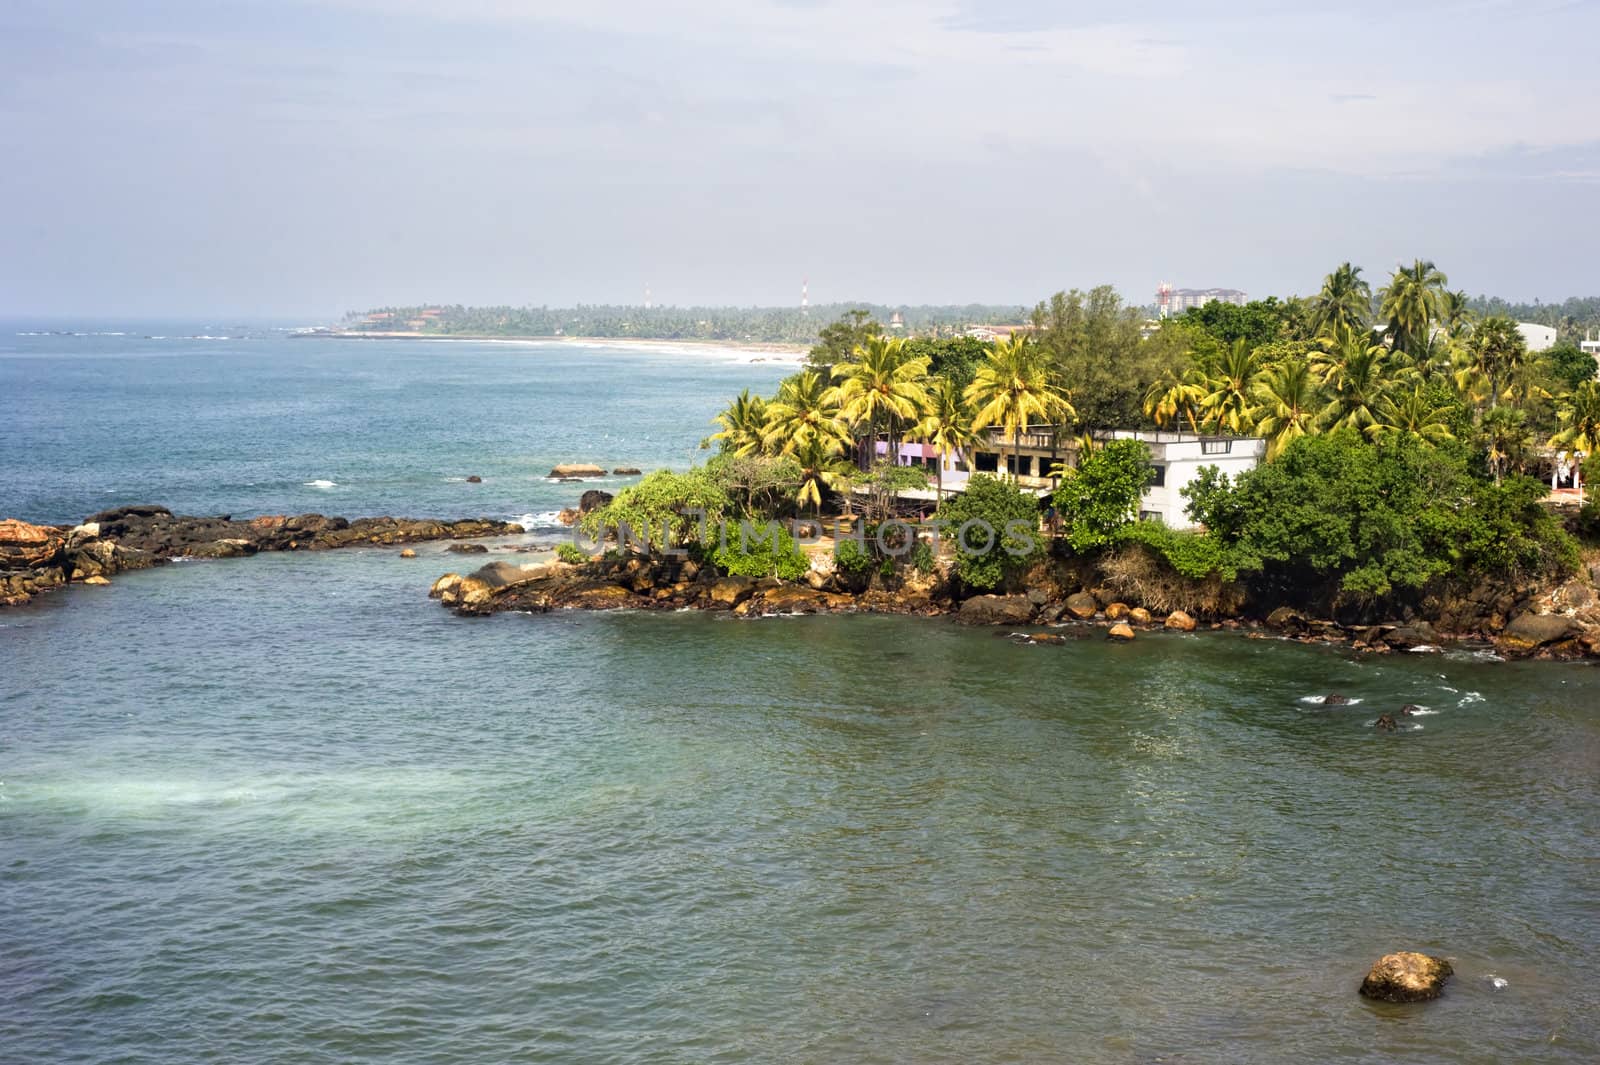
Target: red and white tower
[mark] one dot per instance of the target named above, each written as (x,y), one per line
(1164,298)
(805,296)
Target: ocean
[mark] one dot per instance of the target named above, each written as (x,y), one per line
(289,809)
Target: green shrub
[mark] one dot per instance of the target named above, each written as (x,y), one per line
(764,552)
(1195,555)
(569,553)
(1102,494)
(1004,537)
(853,559)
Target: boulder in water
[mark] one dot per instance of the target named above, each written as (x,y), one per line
(468,549)
(1385,723)
(626,471)
(1120,631)
(1082,605)
(731,591)
(996,610)
(24,546)
(474,479)
(1529,632)
(408,553)
(1178,621)
(1406,976)
(593,499)
(577,469)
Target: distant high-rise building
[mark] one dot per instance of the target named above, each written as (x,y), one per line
(1180,300)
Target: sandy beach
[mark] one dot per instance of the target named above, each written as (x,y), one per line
(745,351)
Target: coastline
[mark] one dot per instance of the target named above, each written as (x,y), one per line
(764,351)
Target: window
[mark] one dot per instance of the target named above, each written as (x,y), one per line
(1160,478)
(1216,447)
(986,462)
(1151,515)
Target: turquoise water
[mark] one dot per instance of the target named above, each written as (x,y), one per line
(288,809)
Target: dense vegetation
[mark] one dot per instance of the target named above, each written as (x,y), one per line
(1400,424)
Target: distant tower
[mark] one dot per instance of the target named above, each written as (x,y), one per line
(1164,298)
(647,295)
(805,296)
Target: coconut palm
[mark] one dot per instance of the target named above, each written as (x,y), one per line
(1345,302)
(1411,412)
(1504,435)
(886,386)
(1288,398)
(744,425)
(1494,356)
(1411,302)
(1455,315)
(803,413)
(1580,420)
(821,468)
(946,424)
(1013,388)
(1356,375)
(1230,380)
(1174,398)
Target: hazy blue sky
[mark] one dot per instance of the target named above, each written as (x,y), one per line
(226,156)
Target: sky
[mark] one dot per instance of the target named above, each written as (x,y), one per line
(309,158)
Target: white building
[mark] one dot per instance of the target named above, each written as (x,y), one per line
(1591,348)
(1178,458)
(1537,337)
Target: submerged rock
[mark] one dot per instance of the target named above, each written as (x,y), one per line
(467,549)
(1120,631)
(474,479)
(408,553)
(1406,976)
(1385,723)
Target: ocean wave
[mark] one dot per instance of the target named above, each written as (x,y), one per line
(1470,698)
(547,519)
(321,484)
(1322,700)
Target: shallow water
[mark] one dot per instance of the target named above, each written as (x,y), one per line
(287,808)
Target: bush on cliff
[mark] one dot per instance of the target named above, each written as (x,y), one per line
(994,528)
(752,550)
(1102,494)
(1354,520)
(664,511)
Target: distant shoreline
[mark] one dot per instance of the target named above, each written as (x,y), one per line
(788,352)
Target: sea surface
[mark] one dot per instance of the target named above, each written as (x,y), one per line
(287,809)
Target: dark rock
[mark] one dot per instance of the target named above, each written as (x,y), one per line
(626,471)
(996,610)
(593,499)
(1288,621)
(1406,976)
(731,591)
(1385,723)
(467,549)
(474,479)
(1409,709)
(1335,700)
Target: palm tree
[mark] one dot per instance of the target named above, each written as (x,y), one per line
(1345,302)
(1356,375)
(885,382)
(1504,435)
(947,424)
(1412,413)
(1229,404)
(1175,397)
(1289,399)
(744,425)
(804,413)
(1411,302)
(1494,356)
(1455,315)
(820,468)
(1580,420)
(1014,387)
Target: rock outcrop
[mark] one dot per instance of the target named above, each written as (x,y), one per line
(1406,976)
(37,558)
(997,610)
(577,470)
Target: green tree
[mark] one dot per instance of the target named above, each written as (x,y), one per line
(1414,412)
(1102,493)
(885,385)
(837,342)
(804,414)
(1288,402)
(1570,366)
(668,509)
(946,425)
(1580,420)
(1345,302)
(1356,377)
(1013,389)
(1411,303)
(743,425)
(995,529)
(1496,354)
(1229,403)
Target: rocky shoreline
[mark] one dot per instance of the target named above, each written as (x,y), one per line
(39,558)
(1562,623)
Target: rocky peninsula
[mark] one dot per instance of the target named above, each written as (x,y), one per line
(39,558)
(1064,597)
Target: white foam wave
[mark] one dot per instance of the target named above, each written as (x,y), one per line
(545,519)
(1499,983)
(321,484)
(1322,700)
(1470,698)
